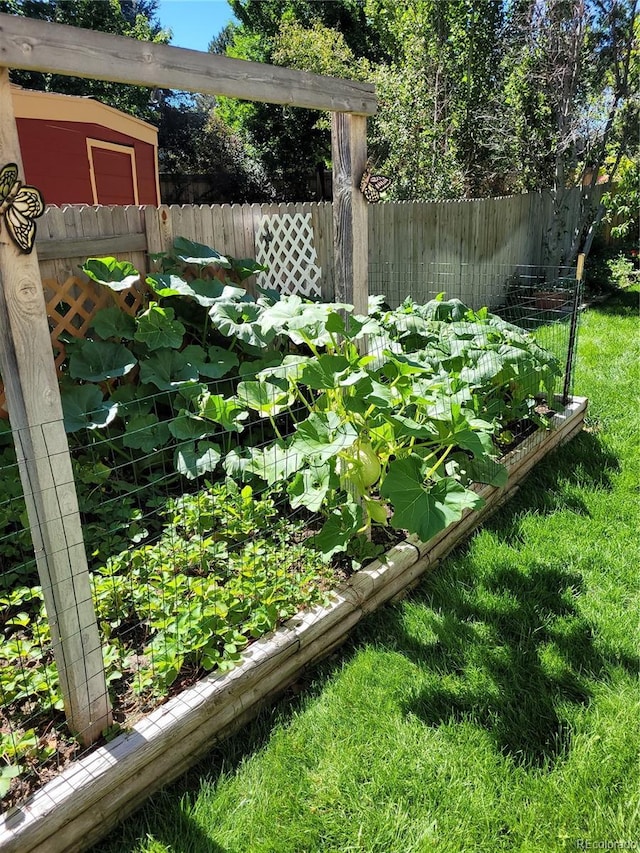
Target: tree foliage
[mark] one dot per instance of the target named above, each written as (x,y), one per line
(569,104)
(132,18)
(193,139)
(476,97)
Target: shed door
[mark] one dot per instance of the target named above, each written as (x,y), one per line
(113,173)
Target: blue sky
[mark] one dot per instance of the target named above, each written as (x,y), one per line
(194,22)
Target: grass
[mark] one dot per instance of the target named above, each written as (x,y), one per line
(496,708)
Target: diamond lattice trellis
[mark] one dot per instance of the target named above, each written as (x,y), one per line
(284,243)
(71,307)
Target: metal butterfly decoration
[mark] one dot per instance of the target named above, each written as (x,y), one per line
(20,205)
(371,186)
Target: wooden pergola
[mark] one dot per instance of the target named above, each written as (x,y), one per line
(26,361)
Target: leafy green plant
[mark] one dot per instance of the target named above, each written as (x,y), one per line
(354,435)
(622,270)
(283,386)
(227,568)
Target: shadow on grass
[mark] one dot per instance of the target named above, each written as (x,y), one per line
(621,303)
(554,486)
(170,827)
(506,646)
(507,649)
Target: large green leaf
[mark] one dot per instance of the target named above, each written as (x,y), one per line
(115,274)
(424,508)
(134,399)
(276,317)
(354,328)
(95,361)
(158,328)
(300,319)
(274,464)
(265,398)
(244,267)
(288,368)
(214,363)
(322,436)
(340,527)
(235,463)
(328,371)
(84,408)
(205,292)
(229,413)
(240,320)
(146,432)
(113,322)
(197,253)
(193,460)
(167,369)
(309,487)
(186,425)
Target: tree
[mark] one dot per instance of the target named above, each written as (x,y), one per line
(133,18)
(622,202)
(192,140)
(302,34)
(570,104)
(348,17)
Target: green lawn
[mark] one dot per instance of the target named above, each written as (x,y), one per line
(496,708)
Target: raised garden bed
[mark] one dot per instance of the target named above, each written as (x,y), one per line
(90,796)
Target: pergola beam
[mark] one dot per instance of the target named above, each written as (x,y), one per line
(58,49)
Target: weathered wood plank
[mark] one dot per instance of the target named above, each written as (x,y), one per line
(35,410)
(59,49)
(350,211)
(90,246)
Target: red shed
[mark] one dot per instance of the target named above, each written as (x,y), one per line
(79,151)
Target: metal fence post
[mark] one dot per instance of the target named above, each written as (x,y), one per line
(573,330)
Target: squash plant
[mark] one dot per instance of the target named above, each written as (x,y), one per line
(276,390)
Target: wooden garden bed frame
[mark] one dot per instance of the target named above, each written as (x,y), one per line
(89,797)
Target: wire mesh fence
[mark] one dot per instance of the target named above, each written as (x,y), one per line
(541,300)
(233,461)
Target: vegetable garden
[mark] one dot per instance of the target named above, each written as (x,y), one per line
(236,459)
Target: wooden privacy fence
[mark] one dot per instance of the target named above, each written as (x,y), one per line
(506,231)
(459,243)
(484,234)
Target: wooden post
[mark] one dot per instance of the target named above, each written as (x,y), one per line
(350,214)
(35,411)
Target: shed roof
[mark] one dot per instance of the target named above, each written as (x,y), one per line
(52,106)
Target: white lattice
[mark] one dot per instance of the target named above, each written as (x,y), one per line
(284,243)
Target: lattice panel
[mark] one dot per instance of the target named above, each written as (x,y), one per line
(284,243)
(72,305)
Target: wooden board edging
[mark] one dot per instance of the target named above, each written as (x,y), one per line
(78,807)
